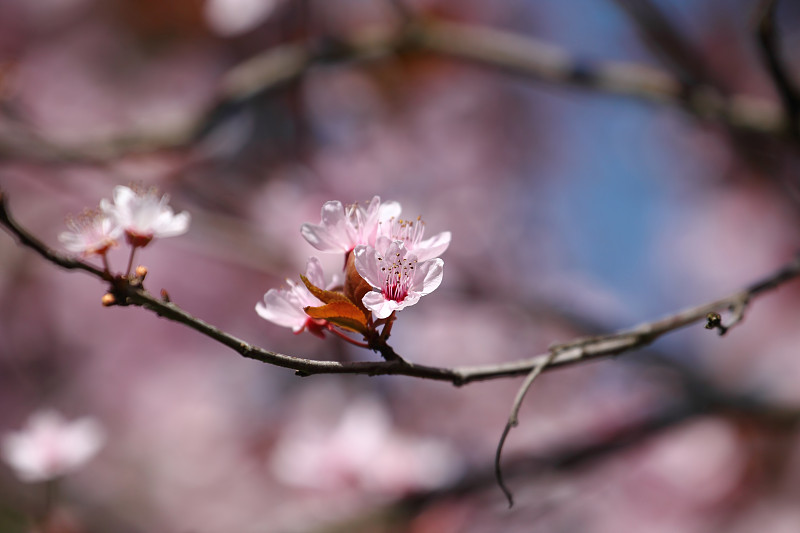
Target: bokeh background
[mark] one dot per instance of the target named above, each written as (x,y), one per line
(573,212)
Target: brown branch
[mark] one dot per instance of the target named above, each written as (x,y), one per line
(577,351)
(493,48)
(764,22)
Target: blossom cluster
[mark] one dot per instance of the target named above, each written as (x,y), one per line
(137,214)
(389,265)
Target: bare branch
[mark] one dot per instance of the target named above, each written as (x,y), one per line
(130,292)
(513,421)
(669,42)
(510,52)
(767,34)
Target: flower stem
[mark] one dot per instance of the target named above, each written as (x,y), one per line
(105,263)
(130,262)
(345,337)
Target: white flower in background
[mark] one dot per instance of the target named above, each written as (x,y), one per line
(411,233)
(397,277)
(143,215)
(343,228)
(363,452)
(233,17)
(285,306)
(92,232)
(49,446)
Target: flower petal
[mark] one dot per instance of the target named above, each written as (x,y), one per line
(433,247)
(368,264)
(277,308)
(427,276)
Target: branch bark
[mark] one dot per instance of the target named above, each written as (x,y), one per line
(577,351)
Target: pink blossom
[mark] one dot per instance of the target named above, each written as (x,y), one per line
(397,277)
(362,451)
(144,215)
(285,306)
(343,228)
(49,446)
(92,232)
(411,233)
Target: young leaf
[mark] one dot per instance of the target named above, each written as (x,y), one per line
(344,314)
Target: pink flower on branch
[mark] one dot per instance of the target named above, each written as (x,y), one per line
(411,233)
(143,215)
(92,232)
(285,307)
(49,446)
(397,277)
(342,228)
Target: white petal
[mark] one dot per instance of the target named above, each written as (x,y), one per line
(389,210)
(314,272)
(124,196)
(173,224)
(380,306)
(368,265)
(427,276)
(278,309)
(433,247)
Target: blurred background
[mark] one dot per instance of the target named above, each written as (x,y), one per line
(573,212)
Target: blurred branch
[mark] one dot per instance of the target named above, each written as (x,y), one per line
(130,292)
(770,50)
(668,42)
(511,52)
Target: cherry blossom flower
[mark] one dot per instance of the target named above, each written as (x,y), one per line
(285,307)
(92,232)
(411,233)
(397,277)
(342,228)
(144,216)
(363,452)
(49,446)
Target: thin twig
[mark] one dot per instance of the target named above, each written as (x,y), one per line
(764,21)
(579,350)
(513,421)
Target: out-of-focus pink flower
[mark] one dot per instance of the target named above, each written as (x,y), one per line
(49,446)
(411,233)
(234,17)
(92,232)
(397,277)
(343,228)
(362,452)
(143,215)
(285,306)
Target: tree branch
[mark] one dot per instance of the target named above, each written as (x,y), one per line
(130,292)
(767,34)
(493,48)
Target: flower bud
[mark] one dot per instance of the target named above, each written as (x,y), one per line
(108,299)
(141,272)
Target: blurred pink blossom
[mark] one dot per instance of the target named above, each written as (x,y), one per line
(233,17)
(144,216)
(49,446)
(91,233)
(364,452)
